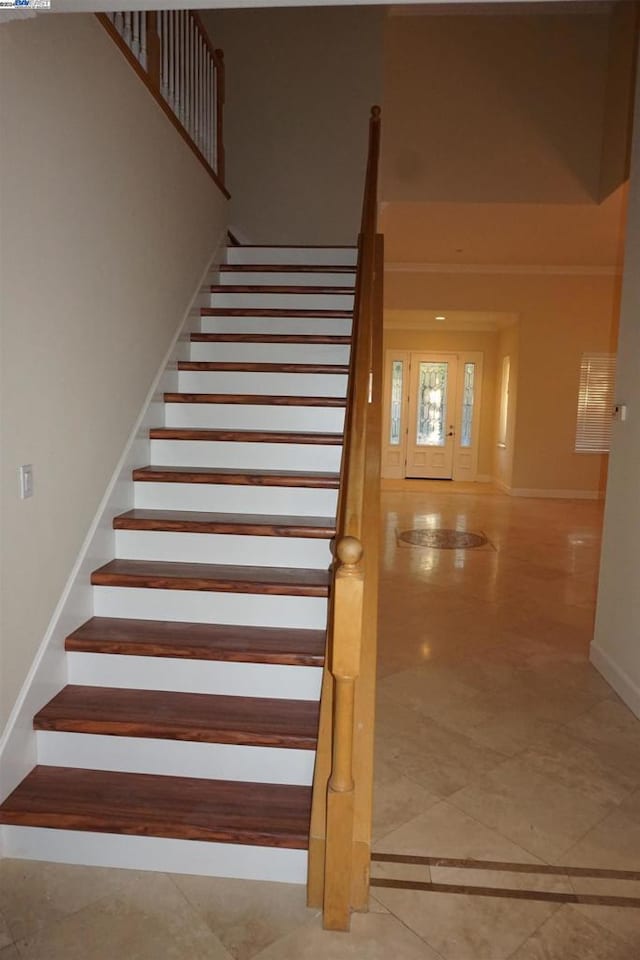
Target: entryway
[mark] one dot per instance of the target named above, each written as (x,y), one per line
(432,415)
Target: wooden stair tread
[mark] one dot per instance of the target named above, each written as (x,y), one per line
(283,268)
(194,521)
(255,399)
(241,366)
(305,338)
(275,312)
(276,288)
(245,436)
(199,641)
(142,804)
(241,477)
(220,578)
(201,717)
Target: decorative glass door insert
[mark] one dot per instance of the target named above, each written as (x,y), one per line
(432,404)
(395,420)
(432,400)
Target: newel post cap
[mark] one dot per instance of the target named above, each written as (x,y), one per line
(349,550)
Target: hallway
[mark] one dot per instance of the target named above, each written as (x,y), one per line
(497,740)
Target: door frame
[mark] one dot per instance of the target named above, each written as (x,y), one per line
(394,456)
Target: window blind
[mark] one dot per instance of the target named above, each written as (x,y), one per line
(595,402)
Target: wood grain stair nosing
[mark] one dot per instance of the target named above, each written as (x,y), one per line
(284,646)
(284,338)
(248,399)
(173,807)
(285,268)
(317,528)
(167,715)
(214,578)
(229,476)
(282,312)
(208,434)
(287,288)
(238,366)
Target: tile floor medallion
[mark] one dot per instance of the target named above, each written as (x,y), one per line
(443,539)
(505,764)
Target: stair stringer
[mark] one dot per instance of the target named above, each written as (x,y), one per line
(48,672)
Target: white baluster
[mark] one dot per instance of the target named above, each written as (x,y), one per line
(135,35)
(183,67)
(127,29)
(119,22)
(164,61)
(205,102)
(171,55)
(199,89)
(143,40)
(214,138)
(190,121)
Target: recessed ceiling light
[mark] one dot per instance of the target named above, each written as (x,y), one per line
(440,316)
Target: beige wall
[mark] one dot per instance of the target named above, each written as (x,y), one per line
(561,316)
(107,223)
(300,85)
(495,108)
(616,646)
(457,341)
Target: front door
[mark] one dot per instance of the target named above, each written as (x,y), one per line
(432,400)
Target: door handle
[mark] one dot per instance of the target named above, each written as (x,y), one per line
(452,432)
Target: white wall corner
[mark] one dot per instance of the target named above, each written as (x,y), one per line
(48,672)
(627,690)
(501,485)
(240,235)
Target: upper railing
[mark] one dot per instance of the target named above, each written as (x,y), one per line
(340,841)
(173,54)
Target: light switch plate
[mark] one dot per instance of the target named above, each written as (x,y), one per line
(26,481)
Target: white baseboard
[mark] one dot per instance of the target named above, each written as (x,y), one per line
(544,494)
(48,672)
(627,690)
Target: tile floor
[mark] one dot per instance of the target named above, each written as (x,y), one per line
(496,740)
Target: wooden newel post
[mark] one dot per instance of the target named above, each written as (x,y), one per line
(153,49)
(345,667)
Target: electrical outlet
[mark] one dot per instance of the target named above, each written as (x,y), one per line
(26,481)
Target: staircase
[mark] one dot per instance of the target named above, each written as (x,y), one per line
(185,738)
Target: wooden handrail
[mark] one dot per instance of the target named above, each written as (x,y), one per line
(340,839)
(173,55)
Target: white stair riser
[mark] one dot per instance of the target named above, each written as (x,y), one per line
(263,416)
(175,758)
(285,301)
(281,384)
(203,606)
(275,681)
(316,256)
(278,278)
(330,326)
(271,352)
(258,456)
(227,498)
(166,855)
(222,548)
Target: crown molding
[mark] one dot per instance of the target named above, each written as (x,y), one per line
(524,269)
